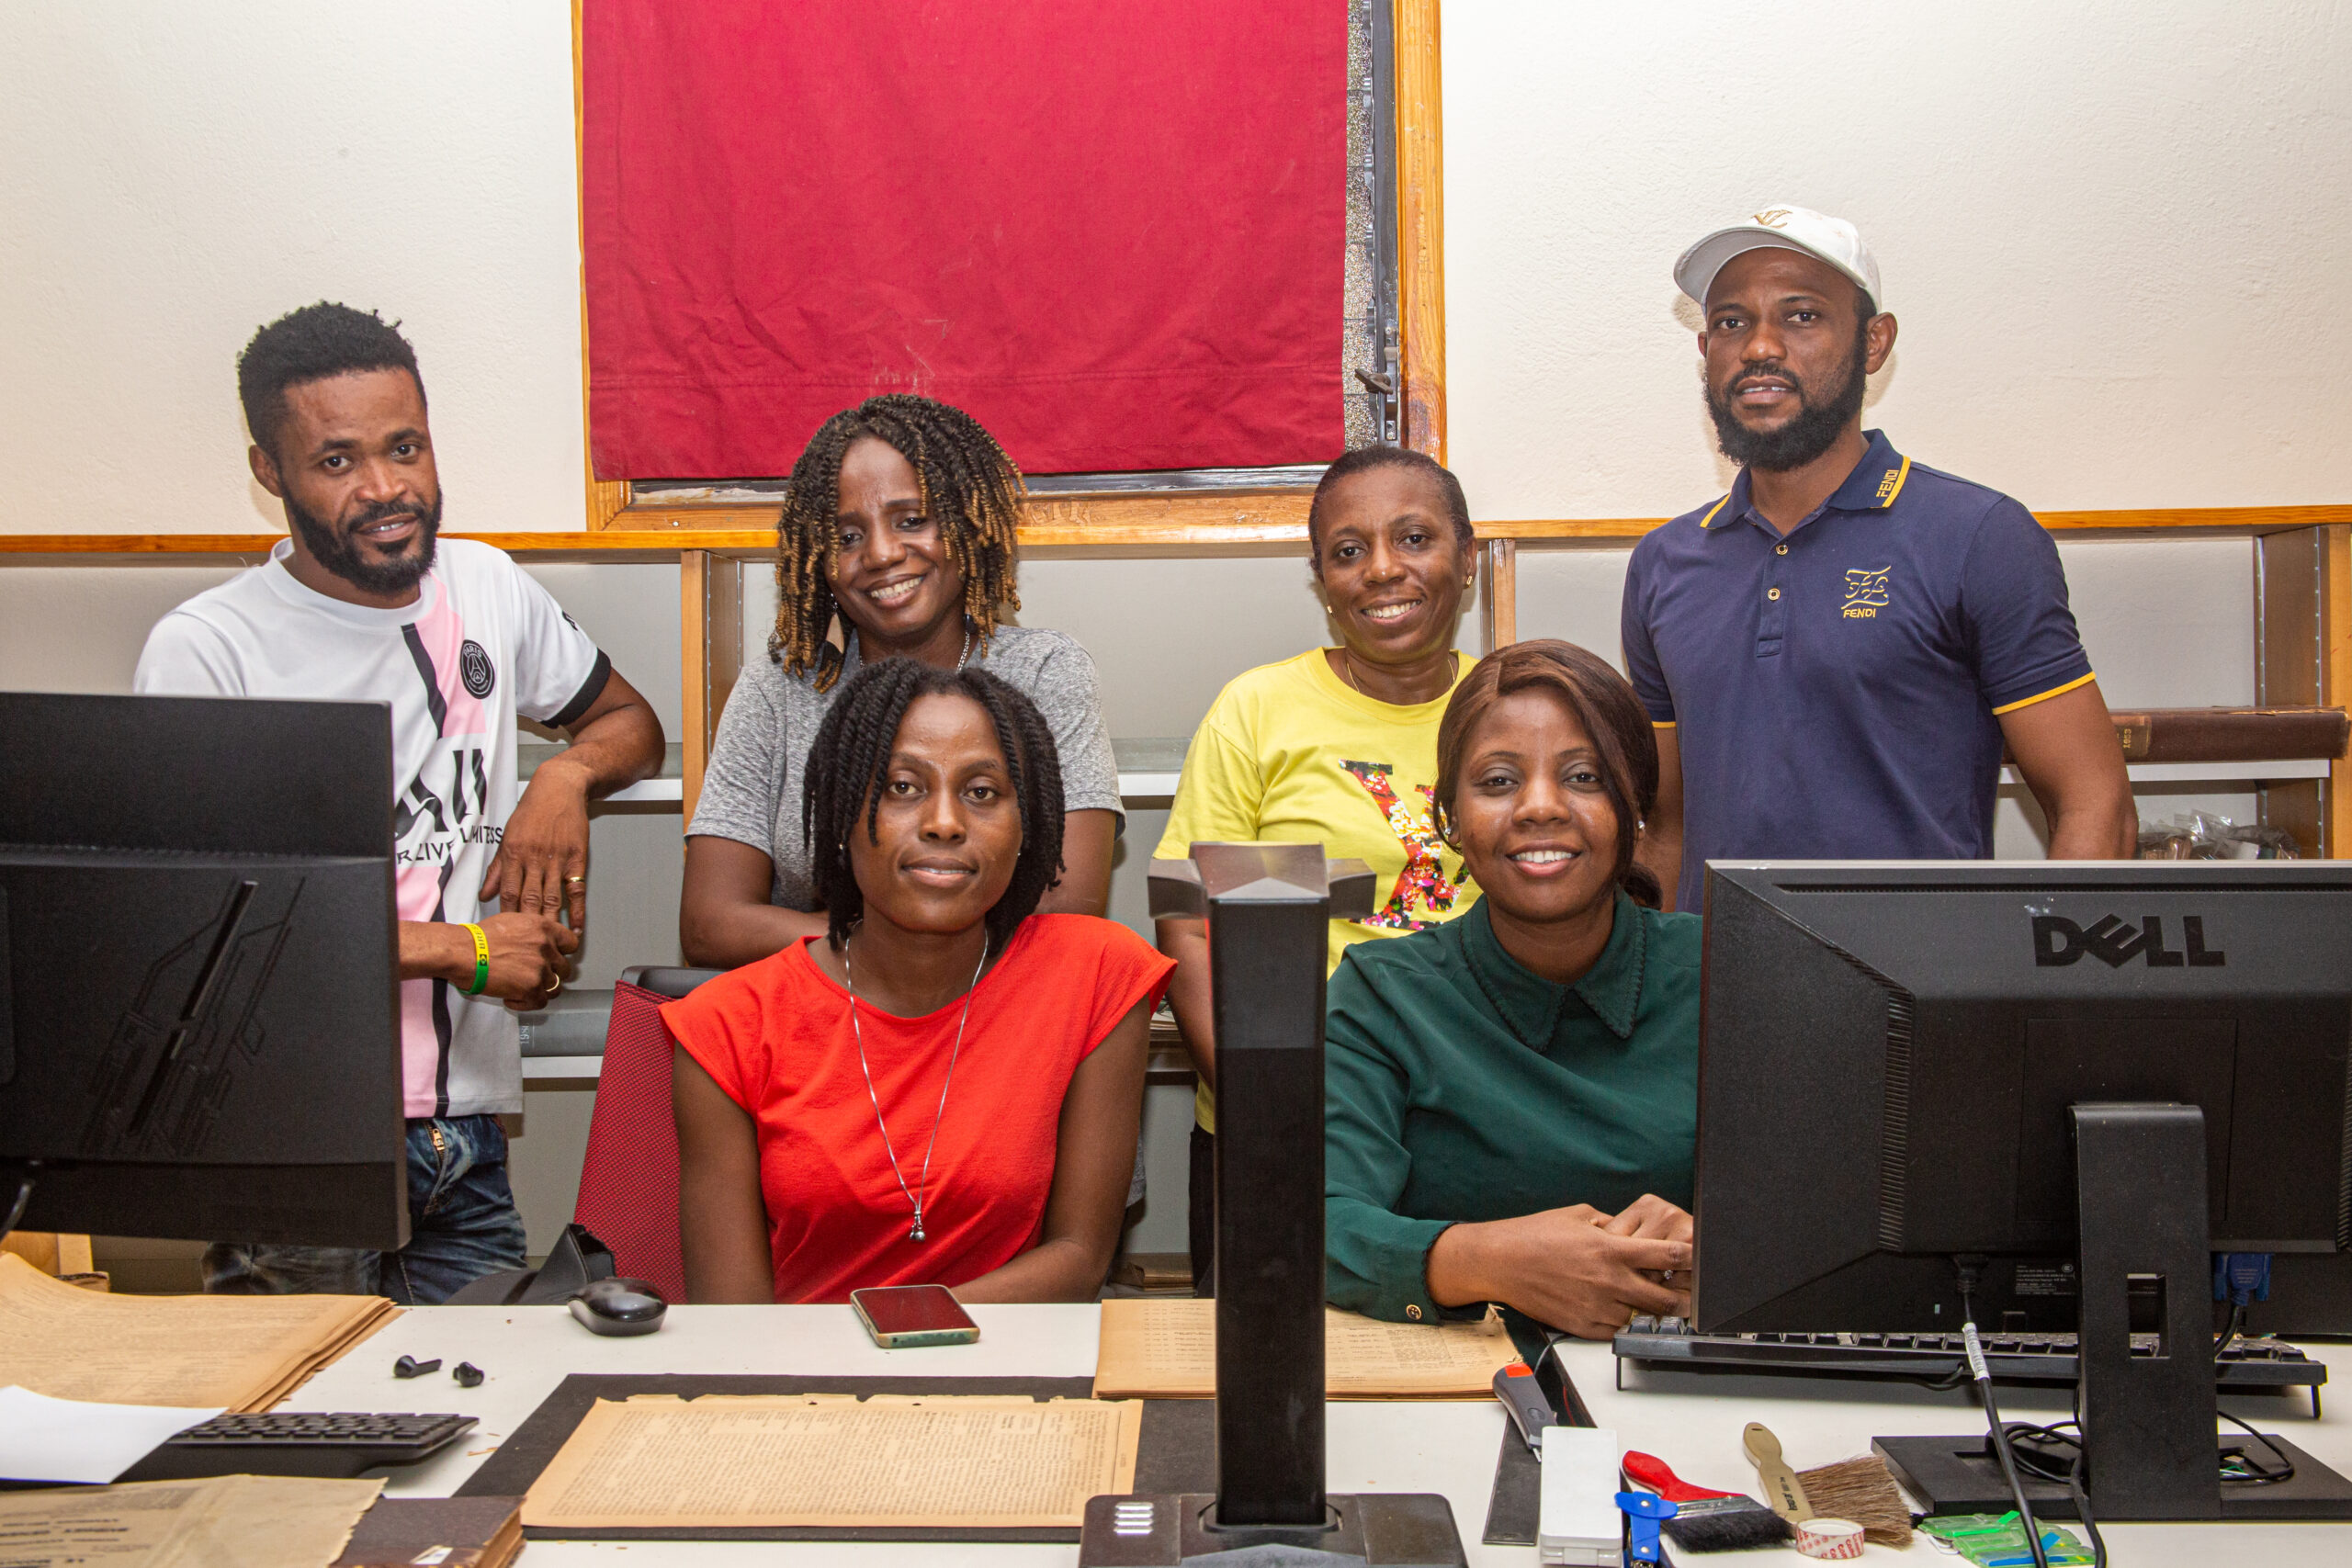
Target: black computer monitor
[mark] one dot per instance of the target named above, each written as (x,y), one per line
(2072,1084)
(1889,1050)
(200,1012)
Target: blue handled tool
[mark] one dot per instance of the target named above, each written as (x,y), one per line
(1643,1515)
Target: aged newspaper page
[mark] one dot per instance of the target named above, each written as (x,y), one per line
(1167,1349)
(236,1352)
(222,1521)
(658,1463)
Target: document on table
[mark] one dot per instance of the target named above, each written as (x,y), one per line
(74,1441)
(252,1521)
(223,1352)
(908,1461)
(1166,1348)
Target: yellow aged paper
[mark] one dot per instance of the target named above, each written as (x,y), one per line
(223,1521)
(991,1462)
(1167,1349)
(241,1353)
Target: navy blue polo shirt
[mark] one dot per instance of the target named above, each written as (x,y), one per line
(1836,692)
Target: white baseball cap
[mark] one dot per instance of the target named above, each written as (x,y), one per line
(1802,228)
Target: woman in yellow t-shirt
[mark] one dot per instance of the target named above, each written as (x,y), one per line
(1338,746)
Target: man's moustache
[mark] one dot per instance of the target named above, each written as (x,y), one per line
(1748,378)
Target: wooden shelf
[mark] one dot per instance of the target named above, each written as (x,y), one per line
(1223,522)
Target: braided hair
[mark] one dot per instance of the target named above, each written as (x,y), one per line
(970,490)
(851,759)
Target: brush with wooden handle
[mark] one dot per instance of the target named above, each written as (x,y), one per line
(1784,1492)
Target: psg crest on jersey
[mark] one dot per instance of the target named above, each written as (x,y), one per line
(475,668)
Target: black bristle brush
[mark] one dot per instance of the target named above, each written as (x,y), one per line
(1707,1520)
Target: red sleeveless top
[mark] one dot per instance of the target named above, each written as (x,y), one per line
(776,1036)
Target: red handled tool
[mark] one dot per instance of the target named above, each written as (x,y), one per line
(1707,1520)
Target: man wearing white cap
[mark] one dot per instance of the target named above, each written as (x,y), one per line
(1835,653)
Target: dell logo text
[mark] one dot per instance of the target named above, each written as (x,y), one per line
(2058,940)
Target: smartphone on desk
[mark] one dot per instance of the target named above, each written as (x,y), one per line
(899,1316)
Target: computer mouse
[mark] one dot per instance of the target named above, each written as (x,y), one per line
(618,1307)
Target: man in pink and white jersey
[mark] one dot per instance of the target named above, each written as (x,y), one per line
(359,606)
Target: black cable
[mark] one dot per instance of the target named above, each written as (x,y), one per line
(2040,1466)
(2229,1334)
(2083,1508)
(1968,1268)
(2285,1470)
(16,1209)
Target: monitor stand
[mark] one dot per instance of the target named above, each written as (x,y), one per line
(1269,908)
(2141,1204)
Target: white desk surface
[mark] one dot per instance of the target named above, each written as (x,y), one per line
(1693,1423)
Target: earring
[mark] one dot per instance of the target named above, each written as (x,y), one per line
(1641,825)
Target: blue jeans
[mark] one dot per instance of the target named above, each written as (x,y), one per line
(462,1224)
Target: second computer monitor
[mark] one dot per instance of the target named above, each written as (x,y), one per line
(1889,1050)
(199,1018)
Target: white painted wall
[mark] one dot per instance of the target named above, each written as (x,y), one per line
(2110,232)
(175,175)
(2113,232)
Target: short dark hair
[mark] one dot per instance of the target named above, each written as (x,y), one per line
(1364,459)
(970,490)
(311,345)
(851,757)
(1603,703)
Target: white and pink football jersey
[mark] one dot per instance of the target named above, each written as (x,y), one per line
(482,643)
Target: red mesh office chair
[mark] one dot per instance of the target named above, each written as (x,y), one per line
(628,1181)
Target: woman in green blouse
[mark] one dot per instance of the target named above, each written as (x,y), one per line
(1511,1100)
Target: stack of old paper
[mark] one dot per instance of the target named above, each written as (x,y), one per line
(254,1521)
(237,1352)
(1166,1348)
(657,1462)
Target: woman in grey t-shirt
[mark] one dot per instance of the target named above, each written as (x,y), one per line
(899,519)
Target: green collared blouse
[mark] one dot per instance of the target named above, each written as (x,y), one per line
(1459,1086)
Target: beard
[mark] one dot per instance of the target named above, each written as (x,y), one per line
(1813,430)
(332,548)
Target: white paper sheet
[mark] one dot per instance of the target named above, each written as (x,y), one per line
(71,1439)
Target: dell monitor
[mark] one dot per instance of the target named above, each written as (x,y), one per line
(2085,1080)
(199,1010)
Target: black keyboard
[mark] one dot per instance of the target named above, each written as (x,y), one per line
(298,1442)
(2014,1358)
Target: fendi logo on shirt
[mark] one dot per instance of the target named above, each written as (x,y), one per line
(1866,592)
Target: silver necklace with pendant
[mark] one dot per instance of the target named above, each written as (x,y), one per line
(963,656)
(922,1181)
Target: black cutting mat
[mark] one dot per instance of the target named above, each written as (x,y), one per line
(1177,1452)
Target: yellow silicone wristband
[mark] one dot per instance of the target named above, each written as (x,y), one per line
(482,960)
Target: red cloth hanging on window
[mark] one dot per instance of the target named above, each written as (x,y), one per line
(1110,230)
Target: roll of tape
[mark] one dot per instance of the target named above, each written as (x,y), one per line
(1831,1540)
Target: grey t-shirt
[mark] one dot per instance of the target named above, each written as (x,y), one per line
(750,792)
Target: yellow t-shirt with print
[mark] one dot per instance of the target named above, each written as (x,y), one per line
(1289,753)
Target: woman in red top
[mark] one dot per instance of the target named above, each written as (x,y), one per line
(945,1087)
